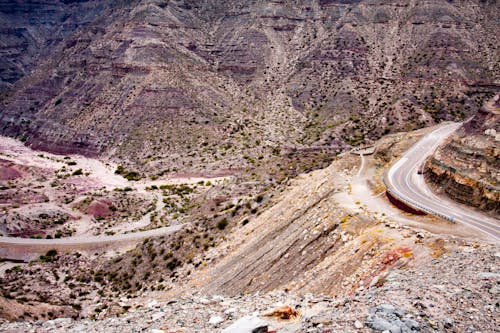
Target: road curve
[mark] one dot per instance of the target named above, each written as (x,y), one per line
(403,182)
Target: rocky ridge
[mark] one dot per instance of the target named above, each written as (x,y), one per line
(461,300)
(259,92)
(345,257)
(217,84)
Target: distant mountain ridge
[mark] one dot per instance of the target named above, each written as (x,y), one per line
(199,85)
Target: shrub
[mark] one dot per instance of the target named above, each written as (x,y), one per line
(119,170)
(222,224)
(174,263)
(49,256)
(132,175)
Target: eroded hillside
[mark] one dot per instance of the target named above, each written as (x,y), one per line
(198,86)
(328,244)
(230,124)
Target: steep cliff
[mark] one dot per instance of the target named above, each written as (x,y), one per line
(32,29)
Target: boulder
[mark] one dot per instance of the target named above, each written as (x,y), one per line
(247,324)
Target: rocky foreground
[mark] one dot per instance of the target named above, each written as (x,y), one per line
(456,292)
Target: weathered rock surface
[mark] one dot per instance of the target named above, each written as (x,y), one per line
(440,296)
(467,168)
(194,80)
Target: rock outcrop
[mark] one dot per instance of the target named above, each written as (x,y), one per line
(468,167)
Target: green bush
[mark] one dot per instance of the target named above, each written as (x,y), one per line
(119,170)
(49,256)
(173,264)
(132,175)
(222,224)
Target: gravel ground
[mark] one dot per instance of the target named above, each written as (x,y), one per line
(457,292)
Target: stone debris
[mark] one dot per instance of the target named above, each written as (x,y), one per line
(456,291)
(248,324)
(489,275)
(215,320)
(387,317)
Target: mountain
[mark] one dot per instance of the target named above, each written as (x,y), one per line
(207,85)
(204,168)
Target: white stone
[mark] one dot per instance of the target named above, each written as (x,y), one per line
(230,311)
(157,315)
(203,301)
(215,320)
(152,304)
(489,275)
(245,325)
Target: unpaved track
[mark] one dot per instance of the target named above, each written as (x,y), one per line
(361,199)
(88,240)
(14,248)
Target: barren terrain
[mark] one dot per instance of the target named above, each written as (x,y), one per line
(216,165)
(329,233)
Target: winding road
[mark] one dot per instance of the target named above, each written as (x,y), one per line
(104,175)
(402,181)
(405,183)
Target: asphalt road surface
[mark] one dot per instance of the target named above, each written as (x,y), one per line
(89,240)
(404,182)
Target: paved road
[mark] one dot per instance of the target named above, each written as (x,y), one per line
(404,182)
(88,240)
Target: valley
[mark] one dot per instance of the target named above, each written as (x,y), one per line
(249,166)
(341,211)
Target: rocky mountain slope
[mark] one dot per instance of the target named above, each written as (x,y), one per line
(467,167)
(32,29)
(257,101)
(460,300)
(204,85)
(335,260)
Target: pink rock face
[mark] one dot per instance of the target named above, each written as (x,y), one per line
(100,209)
(9,173)
(13,196)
